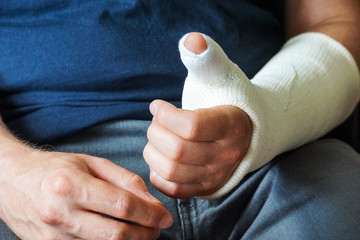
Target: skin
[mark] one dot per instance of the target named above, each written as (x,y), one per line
(195,43)
(53,195)
(56,195)
(184,147)
(338,19)
(194,153)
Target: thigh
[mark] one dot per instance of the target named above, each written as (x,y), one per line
(310,193)
(122,142)
(6,233)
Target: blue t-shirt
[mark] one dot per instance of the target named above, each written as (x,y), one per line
(66,65)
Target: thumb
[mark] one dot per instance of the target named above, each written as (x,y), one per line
(206,61)
(213,79)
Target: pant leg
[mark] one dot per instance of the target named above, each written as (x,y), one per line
(310,193)
(6,233)
(122,142)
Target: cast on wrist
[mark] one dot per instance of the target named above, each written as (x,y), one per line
(304,91)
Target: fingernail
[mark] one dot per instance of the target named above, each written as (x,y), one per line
(166,221)
(195,42)
(153,108)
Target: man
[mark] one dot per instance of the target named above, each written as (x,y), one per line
(58,195)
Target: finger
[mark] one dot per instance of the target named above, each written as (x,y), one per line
(174,171)
(120,177)
(99,196)
(200,125)
(92,226)
(179,149)
(176,190)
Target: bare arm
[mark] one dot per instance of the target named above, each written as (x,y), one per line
(42,195)
(337,19)
(9,145)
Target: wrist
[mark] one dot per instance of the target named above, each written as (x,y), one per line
(13,154)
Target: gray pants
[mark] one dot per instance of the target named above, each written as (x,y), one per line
(310,193)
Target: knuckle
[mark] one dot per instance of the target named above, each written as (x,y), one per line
(178,150)
(124,207)
(150,131)
(151,218)
(174,190)
(136,180)
(206,187)
(192,127)
(235,155)
(61,184)
(169,188)
(49,215)
(240,130)
(171,173)
(232,156)
(147,153)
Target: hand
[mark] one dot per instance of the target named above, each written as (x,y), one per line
(194,153)
(51,195)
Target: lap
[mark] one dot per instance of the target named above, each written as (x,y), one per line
(309,193)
